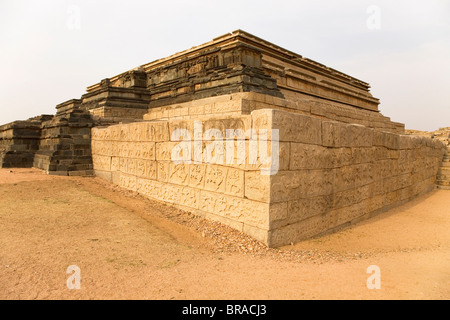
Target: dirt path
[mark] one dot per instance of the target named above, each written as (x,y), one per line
(128,247)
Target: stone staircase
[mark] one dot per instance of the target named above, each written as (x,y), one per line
(443,177)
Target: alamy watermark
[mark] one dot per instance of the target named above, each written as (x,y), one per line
(263,147)
(373,22)
(73,21)
(374,281)
(74,281)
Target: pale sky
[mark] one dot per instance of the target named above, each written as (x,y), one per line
(50,51)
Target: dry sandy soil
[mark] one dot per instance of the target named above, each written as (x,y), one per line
(128,247)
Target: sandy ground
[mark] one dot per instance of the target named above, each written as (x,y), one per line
(128,247)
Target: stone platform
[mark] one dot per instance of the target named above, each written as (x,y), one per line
(309,151)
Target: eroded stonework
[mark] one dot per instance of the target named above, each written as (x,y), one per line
(330,173)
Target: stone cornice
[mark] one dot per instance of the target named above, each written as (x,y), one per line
(291,71)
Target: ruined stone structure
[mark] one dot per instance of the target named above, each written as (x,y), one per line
(443,178)
(339,159)
(443,134)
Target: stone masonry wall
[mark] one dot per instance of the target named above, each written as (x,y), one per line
(329,173)
(137,156)
(65,144)
(246,102)
(19,141)
(339,173)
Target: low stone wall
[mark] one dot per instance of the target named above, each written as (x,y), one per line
(341,173)
(137,156)
(59,144)
(245,102)
(19,141)
(328,174)
(442,134)
(65,145)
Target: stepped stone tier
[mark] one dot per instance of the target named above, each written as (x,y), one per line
(309,152)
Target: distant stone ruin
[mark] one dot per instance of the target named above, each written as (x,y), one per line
(240,131)
(443,134)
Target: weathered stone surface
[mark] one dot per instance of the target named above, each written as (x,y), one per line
(330,173)
(65,143)
(310,151)
(19,141)
(257,186)
(291,127)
